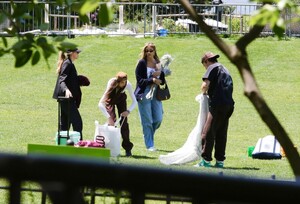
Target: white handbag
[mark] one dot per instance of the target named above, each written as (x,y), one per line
(111,135)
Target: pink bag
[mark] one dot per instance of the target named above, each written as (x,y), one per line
(88,143)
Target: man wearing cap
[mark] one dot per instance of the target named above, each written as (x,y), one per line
(217,83)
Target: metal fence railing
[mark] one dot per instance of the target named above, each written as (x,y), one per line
(62,181)
(144,19)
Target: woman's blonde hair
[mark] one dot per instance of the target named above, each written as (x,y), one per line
(62,56)
(144,53)
(60,60)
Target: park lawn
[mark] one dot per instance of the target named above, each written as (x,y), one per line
(29,114)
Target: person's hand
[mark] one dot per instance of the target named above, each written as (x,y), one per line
(68,94)
(157,81)
(156,74)
(125,113)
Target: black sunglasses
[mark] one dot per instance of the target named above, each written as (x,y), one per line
(149,50)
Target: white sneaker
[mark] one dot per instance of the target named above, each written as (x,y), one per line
(151,149)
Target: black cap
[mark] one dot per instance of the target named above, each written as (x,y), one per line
(73,50)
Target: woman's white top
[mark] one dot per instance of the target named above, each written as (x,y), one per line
(150,71)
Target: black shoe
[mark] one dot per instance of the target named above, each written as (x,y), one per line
(128,153)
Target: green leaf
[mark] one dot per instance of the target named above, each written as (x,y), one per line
(20,45)
(19,11)
(59,38)
(89,6)
(41,41)
(63,46)
(2,52)
(22,58)
(48,50)
(265,15)
(44,26)
(59,2)
(2,17)
(105,14)
(29,37)
(4,40)
(279,28)
(70,2)
(84,19)
(35,58)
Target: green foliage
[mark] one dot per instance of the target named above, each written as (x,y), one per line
(239,24)
(170,25)
(270,14)
(105,14)
(89,6)
(235,24)
(228,9)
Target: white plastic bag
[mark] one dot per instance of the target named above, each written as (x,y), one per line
(111,136)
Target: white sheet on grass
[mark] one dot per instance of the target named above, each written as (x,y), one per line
(191,149)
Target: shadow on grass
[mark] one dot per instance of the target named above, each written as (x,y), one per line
(140,157)
(165,151)
(240,168)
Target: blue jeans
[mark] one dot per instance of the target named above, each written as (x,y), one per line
(151,115)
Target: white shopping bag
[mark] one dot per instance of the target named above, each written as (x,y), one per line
(111,136)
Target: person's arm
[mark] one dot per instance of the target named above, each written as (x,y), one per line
(65,71)
(131,94)
(133,100)
(205,86)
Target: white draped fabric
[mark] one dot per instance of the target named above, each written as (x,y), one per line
(191,150)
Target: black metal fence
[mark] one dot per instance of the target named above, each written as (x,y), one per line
(63,181)
(143,19)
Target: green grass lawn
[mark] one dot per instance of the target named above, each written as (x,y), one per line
(28,114)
